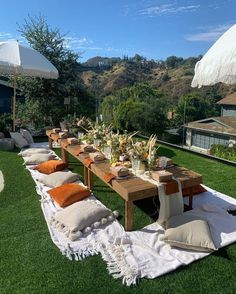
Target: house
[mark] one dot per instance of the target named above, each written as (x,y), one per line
(6,93)
(203,133)
(228,105)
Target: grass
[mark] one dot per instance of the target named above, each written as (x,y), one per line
(31,263)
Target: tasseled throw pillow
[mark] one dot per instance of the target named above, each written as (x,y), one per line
(59,178)
(38,158)
(81,218)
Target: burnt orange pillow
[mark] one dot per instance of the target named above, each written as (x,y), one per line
(196,190)
(68,194)
(51,166)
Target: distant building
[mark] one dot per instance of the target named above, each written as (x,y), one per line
(203,133)
(228,105)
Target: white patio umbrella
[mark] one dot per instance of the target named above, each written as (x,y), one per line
(219,63)
(16,59)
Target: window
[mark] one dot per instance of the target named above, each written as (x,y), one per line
(205,140)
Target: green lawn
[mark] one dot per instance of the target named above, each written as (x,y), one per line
(31,263)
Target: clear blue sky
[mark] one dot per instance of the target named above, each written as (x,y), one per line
(154,29)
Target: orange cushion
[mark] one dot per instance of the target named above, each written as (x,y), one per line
(196,190)
(68,194)
(51,166)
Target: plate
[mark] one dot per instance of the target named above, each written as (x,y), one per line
(100,161)
(125,177)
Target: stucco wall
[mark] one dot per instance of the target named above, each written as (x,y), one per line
(229,110)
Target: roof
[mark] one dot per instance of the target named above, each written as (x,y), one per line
(228,100)
(6,83)
(224,125)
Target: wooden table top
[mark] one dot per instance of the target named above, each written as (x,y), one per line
(135,188)
(187,177)
(130,189)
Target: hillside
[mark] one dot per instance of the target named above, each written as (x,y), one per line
(104,76)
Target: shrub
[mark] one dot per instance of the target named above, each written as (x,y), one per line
(225,152)
(5,122)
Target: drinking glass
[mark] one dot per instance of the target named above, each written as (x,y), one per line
(80,135)
(97,143)
(162,162)
(107,151)
(135,165)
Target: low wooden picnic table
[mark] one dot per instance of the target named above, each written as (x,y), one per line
(130,189)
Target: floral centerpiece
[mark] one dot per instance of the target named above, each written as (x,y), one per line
(75,124)
(126,142)
(112,141)
(119,144)
(84,124)
(144,151)
(97,134)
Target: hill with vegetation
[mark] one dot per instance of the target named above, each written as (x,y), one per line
(131,93)
(137,94)
(104,76)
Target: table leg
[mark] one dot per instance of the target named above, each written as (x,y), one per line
(128,215)
(190,203)
(64,155)
(90,179)
(50,142)
(85,175)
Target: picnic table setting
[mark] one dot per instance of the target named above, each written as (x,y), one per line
(193,220)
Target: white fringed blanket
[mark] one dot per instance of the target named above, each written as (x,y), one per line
(142,254)
(86,245)
(139,254)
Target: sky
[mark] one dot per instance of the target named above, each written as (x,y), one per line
(155,29)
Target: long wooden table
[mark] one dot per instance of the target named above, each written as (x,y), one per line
(129,189)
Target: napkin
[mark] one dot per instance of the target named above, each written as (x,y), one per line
(119,171)
(97,156)
(87,148)
(72,141)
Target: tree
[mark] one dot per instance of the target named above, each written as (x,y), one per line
(108,107)
(129,115)
(191,61)
(173,61)
(138,58)
(194,106)
(30,114)
(139,107)
(51,93)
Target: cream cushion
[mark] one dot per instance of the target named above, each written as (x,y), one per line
(20,141)
(81,217)
(31,151)
(26,134)
(38,158)
(59,178)
(189,232)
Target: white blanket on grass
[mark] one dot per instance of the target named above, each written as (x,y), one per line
(88,244)
(139,254)
(142,254)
